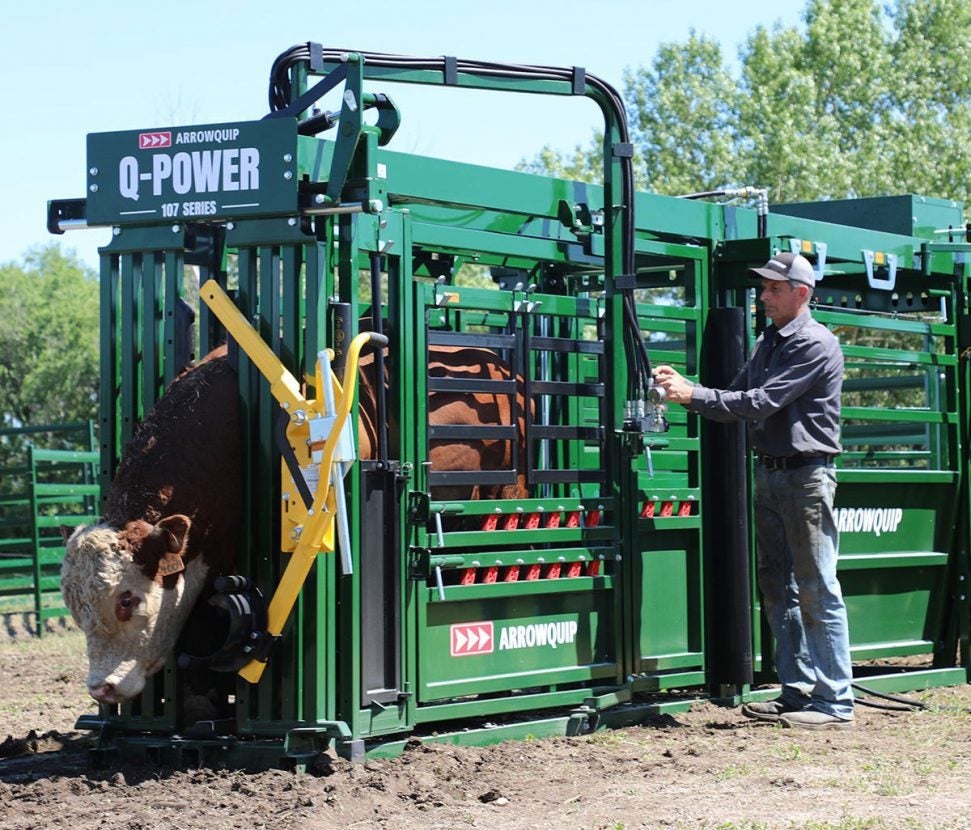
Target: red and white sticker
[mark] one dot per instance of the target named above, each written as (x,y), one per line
(151,141)
(472,638)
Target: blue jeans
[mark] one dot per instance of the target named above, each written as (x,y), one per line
(797,547)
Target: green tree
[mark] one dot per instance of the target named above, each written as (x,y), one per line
(931,114)
(863,99)
(48,339)
(582,164)
(682,114)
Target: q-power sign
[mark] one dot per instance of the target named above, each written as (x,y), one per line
(193,174)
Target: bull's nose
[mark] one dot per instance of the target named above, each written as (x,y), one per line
(105,693)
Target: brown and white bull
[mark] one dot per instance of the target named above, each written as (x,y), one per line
(173,511)
(169,528)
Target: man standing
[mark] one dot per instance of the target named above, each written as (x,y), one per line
(789,395)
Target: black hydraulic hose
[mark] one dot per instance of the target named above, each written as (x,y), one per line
(280,98)
(642,360)
(907,704)
(899,703)
(762,207)
(704,194)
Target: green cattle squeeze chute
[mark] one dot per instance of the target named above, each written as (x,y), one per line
(600,571)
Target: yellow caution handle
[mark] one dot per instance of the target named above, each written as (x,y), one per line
(283,385)
(318,532)
(345,399)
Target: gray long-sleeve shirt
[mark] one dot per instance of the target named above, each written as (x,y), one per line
(788,392)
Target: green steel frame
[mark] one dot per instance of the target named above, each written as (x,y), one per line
(592,595)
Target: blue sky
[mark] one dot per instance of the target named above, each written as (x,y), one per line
(73,68)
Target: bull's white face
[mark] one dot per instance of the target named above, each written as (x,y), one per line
(131,594)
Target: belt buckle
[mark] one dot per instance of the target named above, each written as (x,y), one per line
(773,464)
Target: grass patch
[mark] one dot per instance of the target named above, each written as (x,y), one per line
(733,771)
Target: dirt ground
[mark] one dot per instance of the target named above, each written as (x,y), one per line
(708,768)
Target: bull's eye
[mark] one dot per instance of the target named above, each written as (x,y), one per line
(127,603)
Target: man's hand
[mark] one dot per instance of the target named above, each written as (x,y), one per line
(678,389)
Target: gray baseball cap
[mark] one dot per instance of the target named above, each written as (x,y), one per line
(787,266)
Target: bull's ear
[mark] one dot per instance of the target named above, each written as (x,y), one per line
(66,531)
(160,553)
(175,531)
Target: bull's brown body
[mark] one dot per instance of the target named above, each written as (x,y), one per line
(457,408)
(184,459)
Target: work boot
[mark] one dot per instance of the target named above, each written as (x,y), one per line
(771,710)
(814,719)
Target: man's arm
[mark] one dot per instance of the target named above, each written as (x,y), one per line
(790,380)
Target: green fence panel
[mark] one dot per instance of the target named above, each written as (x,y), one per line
(55,488)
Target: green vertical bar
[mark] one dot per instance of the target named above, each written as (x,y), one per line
(698,291)
(955,634)
(128,381)
(160,268)
(961,557)
(349,618)
(695,276)
(254,699)
(319,288)
(314,327)
(290,297)
(171,292)
(410,314)
(267,475)
(89,471)
(151,285)
(35,540)
(109,380)
(621,480)
(416,354)
(285,320)
(619,475)
(209,332)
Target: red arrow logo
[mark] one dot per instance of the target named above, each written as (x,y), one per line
(472,638)
(151,141)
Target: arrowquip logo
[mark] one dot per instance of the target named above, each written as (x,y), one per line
(875,520)
(478,638)
(149,141)
(538,635)
(472,638)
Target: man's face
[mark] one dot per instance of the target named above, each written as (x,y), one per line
(782,300)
